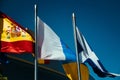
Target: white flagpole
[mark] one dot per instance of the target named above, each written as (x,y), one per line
(36,47)
(75,40)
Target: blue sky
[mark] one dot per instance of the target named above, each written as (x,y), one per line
(98,20)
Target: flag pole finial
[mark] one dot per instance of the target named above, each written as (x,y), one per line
(73,15)
(35,6)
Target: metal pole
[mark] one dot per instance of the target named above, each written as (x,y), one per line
(75,40)
(36,48)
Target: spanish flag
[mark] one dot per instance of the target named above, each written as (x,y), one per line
(13,37)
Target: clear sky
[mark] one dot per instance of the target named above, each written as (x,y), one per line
(98,20)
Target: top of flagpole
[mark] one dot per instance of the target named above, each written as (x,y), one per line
(35,6)
(74,19)
(73,15)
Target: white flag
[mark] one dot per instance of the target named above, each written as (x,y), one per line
(50,45)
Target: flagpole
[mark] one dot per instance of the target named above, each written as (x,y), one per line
(75,40)
(36,48)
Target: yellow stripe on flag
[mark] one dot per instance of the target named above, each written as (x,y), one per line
(71,71)
(41,61)
(12,32)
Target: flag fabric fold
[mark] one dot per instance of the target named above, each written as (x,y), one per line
(13,37)
(87,55)
(50,46)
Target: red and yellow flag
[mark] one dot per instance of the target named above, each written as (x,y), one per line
(13,37)
(41,61)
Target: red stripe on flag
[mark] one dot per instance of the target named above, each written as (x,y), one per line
(17,47)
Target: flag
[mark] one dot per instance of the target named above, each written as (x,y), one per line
(70,69)
(42,61)
(88,55)
(13,37)
(50,46)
